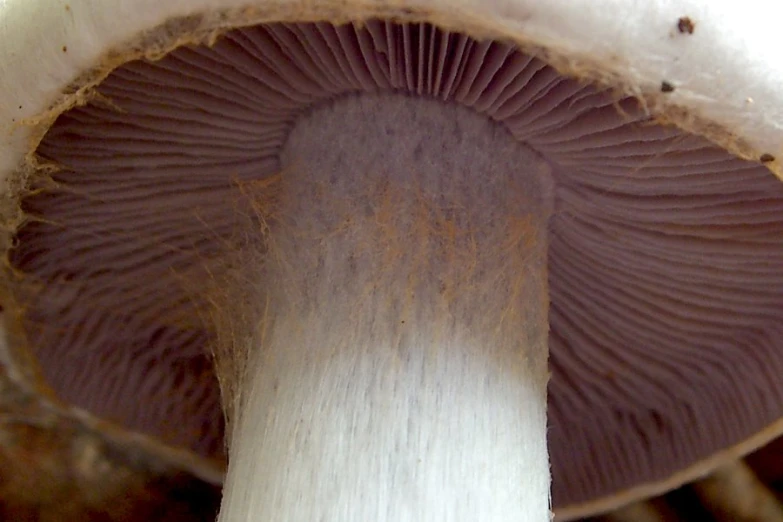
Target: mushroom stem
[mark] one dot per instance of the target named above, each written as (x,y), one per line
(655,510)
(734,493)
(400,373)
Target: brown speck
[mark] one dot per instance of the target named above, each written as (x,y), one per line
(67,7)
(767,158)
(685,25)
(65,48)
(667,86)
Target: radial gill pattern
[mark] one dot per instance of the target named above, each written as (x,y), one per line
(665,268)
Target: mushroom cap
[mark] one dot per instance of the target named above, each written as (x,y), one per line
(727,72)
(708,393)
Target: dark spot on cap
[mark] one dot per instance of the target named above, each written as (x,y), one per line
(767,158)
(685,25)
(65,48)
(418,152)
(666,86)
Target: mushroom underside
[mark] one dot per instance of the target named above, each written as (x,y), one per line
(666,292)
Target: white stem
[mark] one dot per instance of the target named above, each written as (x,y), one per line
(400,371)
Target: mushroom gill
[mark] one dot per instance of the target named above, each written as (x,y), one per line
(664,254)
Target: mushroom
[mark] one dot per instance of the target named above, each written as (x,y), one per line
(367,222)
